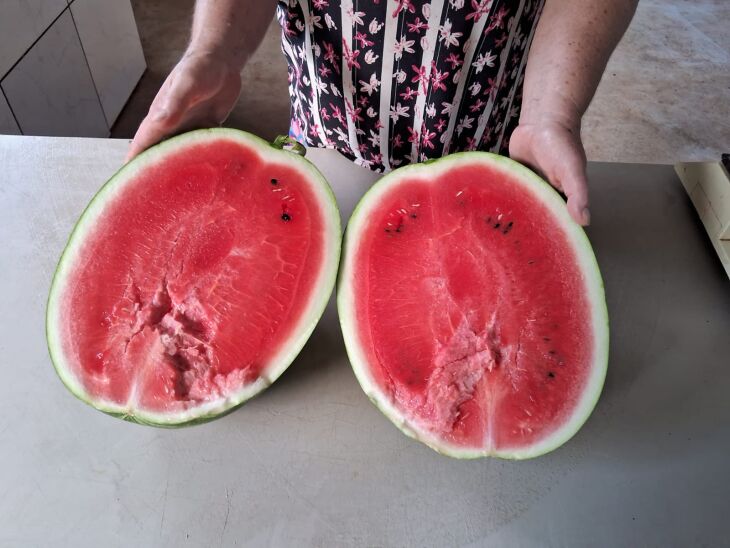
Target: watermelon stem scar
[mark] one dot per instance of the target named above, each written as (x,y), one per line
(451,330)
(193,278)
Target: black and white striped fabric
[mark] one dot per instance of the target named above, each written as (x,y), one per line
(390,82)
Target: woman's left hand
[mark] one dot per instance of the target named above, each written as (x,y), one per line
(555,150)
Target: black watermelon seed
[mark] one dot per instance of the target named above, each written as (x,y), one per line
(413,215)
(489,219)
(546,338)
(285,217)
(551,352)
(530,262)
(551,374)
(274,181)
(497,225)
(507,228)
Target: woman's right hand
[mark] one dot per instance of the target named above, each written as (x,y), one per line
(200,91)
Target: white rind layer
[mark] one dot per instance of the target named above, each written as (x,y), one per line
(429,172)
(302,331)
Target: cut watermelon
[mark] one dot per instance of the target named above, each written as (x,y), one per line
(473,309)
(193,278)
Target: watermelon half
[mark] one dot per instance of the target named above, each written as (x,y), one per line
(472,307)
(193,278)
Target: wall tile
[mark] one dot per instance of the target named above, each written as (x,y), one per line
(111,43)
(51,90)
(21,23)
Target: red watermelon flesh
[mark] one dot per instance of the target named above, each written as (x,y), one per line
(469,308)
(197,277)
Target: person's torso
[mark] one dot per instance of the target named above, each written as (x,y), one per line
(389,82)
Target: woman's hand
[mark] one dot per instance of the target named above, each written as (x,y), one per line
(569,52)
(555,150)
(200,91)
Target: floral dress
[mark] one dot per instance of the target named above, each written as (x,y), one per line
(390,82)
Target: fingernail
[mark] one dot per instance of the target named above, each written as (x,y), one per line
(586,216)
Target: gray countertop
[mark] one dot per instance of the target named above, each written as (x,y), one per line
(311,462)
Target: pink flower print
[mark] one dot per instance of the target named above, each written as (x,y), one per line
(427,136)
(440,125)
(314,129)
(454,60)
(321,4)
(420,76)
(438,77)
(417,26)
(337,114)
(397,142)
(499,17)
(331,56)
(324,114)
(350,56)
(288,31)
(491,87)
(404,5)
(363,101)
(362,38)
(479,8)
(471,143)
(499,42)
(477,106)
(409,93)
(353,113)
(324,71)
(412,135)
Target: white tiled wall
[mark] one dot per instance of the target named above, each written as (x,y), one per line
(51,90)
(7,122)
(67,67)
(21,22)
(113,50)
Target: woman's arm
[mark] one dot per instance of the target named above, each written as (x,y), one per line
(573,42)
(203,87)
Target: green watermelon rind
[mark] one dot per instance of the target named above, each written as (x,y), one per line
(585,256)
(219,408)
